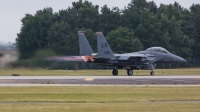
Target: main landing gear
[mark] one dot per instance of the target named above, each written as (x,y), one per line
(129,72)
(115,72)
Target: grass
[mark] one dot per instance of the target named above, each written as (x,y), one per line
(43,72)
(100,99)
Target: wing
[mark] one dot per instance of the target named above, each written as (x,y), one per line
(132,57)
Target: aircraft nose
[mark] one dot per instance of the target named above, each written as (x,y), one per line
(180,60)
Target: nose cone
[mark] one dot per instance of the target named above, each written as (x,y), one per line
(180,60)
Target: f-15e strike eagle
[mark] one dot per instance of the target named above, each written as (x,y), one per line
(144,60)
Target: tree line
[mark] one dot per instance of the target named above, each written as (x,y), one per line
(140,25)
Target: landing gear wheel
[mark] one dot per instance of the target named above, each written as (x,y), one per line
(152,73)
(130,72)
(115,72)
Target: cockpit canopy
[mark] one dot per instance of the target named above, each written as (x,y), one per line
(158,49)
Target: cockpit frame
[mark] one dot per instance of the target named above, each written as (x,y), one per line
(158,49)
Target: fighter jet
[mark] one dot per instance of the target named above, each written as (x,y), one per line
(144,60)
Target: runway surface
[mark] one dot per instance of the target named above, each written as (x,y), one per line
(98,80)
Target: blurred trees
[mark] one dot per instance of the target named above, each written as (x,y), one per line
(8,46)
(122,40)
(34,31)
(81,14)
(60,38)
(194,15)
(109,19)
(136,27)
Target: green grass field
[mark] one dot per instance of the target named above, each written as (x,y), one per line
(43,72)
(100,99)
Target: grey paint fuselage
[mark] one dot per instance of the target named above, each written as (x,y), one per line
(149,57)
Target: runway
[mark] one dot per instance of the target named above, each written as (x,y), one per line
(98,80)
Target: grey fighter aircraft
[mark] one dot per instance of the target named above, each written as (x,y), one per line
(144,60)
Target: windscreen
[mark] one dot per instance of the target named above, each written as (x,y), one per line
(158,49)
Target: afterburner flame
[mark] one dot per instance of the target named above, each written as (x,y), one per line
(64,58)
(88,58)
(71,58)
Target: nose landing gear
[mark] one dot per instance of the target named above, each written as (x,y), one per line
(152,72)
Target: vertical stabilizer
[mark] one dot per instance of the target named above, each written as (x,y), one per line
(84,46)
(104,49)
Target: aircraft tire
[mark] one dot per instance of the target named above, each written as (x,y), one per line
(115,72)
(129,72)
(152,73)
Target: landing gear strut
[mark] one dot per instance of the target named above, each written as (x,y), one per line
(129,72)
(152,72)
(115,72)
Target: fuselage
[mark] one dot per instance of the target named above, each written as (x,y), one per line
(140,60)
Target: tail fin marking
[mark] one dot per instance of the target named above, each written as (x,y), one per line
(104,49)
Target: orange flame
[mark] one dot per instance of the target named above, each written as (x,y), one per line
(88,58)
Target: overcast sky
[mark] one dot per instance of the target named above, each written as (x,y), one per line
(12,11)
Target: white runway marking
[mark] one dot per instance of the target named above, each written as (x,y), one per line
(63,85)
(97,77)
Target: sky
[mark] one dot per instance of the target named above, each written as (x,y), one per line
(12,11)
